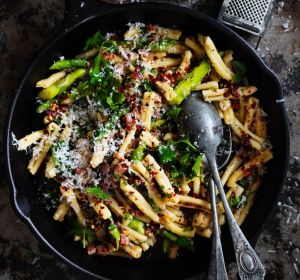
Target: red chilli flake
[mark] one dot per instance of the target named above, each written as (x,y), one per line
(151,27)
(247,172)
(235,104)
(187,68)
(253,105)
(227,93)
(245,139)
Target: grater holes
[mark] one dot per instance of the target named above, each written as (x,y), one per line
(253,11)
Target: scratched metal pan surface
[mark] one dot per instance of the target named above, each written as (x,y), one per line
(80,23)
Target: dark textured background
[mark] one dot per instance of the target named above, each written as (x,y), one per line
(25,26)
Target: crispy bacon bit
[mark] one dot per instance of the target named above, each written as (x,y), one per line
(235,92)
(253,105)
(121,168)
(247,172)
(80,171)
(151,27)
(187,68)
(108,183)
(227,93)
(121,89)
(130,120)
(124,240)
(102,250)
(91,249)
(245,139)
(235,104)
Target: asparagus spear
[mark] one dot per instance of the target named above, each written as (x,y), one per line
(184,87)
(137,225)
(61,85)
(68,63)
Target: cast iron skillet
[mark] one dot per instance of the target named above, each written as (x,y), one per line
(81,23)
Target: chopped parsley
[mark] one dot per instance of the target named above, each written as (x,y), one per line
(115,234)
(162,45)
(166,153)
(240,70)
(86,235)
(95,41)
(173,112)
(97,192)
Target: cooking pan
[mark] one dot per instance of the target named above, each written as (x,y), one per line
(80,23)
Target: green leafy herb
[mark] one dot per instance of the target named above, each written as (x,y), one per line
(166,154)
(43,106)
(56,147)
(182,241)
(115,234)
(222,53)
(146,86)
(173,112)
(244,183)
(154,206)
(117,176)
(98,192)
(148,167)
(154,71)
(233,201)
(169,235)
(110,46)
(127,216)
(197,166)
(86,235)
(115,99)
(166,245)
(143,42)
(240,70)
(95,41)
(184,159)
(109,125)
(106,85)
(158,123)
(174,172)
(48,195)
(163,45)
(138,153)
(186,243)
(186,141)
(84,88)
(99,134)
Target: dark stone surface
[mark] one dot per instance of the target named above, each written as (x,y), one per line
(26,25)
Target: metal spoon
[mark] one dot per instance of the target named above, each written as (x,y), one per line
(201,122)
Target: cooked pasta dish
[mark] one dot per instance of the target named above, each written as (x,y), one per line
(118,173)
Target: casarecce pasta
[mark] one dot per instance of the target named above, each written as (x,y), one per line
(123,175)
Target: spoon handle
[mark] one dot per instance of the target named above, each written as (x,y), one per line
(249,264)
(217,268)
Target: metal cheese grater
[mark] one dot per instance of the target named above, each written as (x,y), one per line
(249,15)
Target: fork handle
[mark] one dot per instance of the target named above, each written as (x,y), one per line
(217,268)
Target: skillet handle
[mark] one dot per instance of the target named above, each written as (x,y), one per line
(79,10)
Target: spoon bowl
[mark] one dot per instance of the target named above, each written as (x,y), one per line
(201,122)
